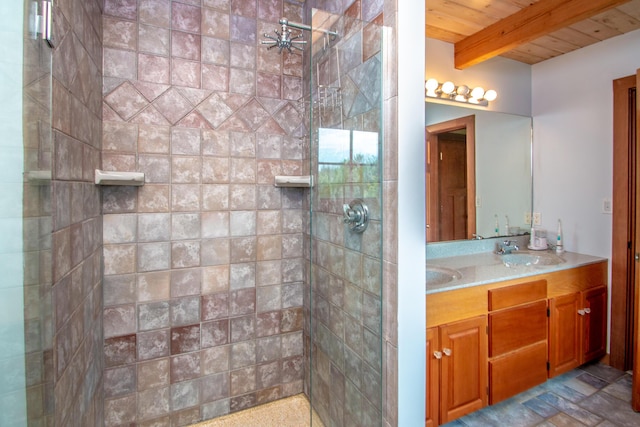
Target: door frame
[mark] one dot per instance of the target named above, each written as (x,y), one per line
(431,171)
(623,228)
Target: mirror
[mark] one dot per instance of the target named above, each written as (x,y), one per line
(494,182)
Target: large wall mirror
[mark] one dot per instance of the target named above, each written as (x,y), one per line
(478,166)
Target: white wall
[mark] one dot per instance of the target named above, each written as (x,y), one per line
(411,217)
(573,139)
(511,79)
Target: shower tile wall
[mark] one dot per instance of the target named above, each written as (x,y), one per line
(72,314)
(203,267)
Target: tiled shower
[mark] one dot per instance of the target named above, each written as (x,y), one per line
(208,290)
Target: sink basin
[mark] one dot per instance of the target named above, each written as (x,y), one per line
(441,275)
(530,258)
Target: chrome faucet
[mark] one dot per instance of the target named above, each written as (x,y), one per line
(506,247)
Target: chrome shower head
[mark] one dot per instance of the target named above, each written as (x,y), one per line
(283,38)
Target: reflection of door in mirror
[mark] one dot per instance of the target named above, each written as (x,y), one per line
(450,180)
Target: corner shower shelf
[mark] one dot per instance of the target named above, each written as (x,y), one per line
(119,178)
(305,181)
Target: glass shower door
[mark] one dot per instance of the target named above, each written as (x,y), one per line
(344,335)
(26,321)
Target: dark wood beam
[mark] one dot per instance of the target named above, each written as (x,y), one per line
(528,24)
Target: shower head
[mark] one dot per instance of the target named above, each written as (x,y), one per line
(283,38)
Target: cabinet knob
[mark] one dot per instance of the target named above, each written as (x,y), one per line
(581,312)
(437,355)
(446,351)
(587,310)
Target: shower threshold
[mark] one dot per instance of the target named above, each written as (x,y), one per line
(288,412)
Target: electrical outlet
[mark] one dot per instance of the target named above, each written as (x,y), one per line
(607,206)
(478,202)
(537,218)
(527,218)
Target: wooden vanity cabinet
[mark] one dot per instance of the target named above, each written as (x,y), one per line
(504,334)
(456,370)
(577,329)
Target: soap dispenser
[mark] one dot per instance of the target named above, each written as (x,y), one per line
(559,244)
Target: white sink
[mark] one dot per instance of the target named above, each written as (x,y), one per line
(441,275)
(530,258)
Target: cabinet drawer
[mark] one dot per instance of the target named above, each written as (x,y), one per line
(522,293)
(517,327)
(516,372)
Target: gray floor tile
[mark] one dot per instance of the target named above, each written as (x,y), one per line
(562,390)
(581,386)
(564,420)
(620,389)
(593,380)
(571,409)
(541,407)
(513,414)
(615,410)
(605,372)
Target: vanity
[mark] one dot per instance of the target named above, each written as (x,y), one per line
(498,325)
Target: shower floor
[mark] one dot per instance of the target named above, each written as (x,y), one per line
(289,412)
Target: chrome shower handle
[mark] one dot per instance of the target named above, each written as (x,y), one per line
(356,215)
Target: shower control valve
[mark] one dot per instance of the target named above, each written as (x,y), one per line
(356,215)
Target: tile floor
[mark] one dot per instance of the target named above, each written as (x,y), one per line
(288,412)
(592,395)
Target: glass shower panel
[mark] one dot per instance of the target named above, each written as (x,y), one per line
(37,224)
(344,334)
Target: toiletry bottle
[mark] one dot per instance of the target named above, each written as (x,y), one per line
(497,229)
(506,226)
(532,239)
(559,245)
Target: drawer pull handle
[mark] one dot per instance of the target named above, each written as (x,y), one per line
(437,355)
(581,312)
(446,351)
(587,310)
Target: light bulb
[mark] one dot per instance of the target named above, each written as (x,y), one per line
(448,87)
(477,92)
(491,95)
(431,85)
(463,90)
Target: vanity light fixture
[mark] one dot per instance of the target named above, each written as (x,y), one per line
(450,92)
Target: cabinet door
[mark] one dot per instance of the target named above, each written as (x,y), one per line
(433,377)
(565,335)
(463,374)
(594,304)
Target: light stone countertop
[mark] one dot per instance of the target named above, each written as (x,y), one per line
(488,267)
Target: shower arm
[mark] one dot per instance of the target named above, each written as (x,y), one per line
(286,22)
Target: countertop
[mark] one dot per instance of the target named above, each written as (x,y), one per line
(488,267)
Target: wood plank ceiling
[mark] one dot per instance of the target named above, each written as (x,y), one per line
(528,31)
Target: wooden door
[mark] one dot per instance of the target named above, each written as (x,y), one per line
(432,178)
(452,186)
(565,336)
(635,388)
(433,378)
(594,302)
(623,240)
(463,371)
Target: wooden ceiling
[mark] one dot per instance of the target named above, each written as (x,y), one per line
(528,31)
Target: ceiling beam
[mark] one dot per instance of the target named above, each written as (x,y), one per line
(528,24)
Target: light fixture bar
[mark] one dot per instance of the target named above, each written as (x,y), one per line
(448,91)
